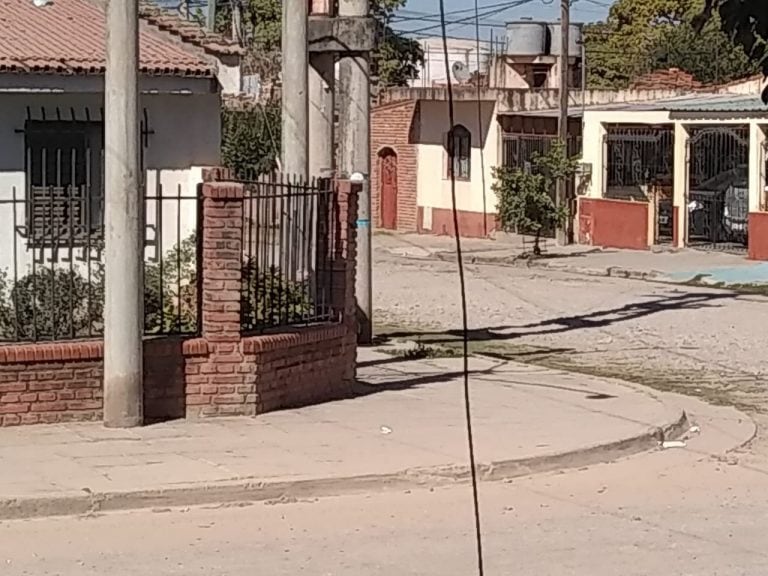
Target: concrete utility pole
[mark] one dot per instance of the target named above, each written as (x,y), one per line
(295,116)
(236,21)
(322,103)
(561,194)
(211,16)
(355,157)
(124,241)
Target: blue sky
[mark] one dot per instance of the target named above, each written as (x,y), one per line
(581,11)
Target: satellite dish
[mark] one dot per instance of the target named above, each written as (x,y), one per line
(460,72)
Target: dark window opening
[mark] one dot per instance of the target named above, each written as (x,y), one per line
(65,182)
(460,149)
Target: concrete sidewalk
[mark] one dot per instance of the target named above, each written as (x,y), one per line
(678,266)
(405,429)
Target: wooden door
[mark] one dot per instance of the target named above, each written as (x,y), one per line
(388,189)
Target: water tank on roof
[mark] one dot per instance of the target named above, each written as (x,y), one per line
(574,40)
(526,39)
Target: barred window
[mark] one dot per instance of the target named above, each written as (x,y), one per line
(459,145)
(64,165)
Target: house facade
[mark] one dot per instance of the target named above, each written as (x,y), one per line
(659,164)
(685,172)
(410,137)
(51,126)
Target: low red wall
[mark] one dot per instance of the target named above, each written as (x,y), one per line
(62,382)
(471,224)
(613,223)
(758,236)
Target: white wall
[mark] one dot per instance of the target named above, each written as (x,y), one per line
(186,137)
(594,132)
(464,51)
(434,187)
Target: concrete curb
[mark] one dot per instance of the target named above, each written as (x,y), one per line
(253,490)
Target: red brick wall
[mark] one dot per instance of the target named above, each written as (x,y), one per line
(613,223)
(236,375)
(62,382)
(391,127)
(221,373)
(758,236)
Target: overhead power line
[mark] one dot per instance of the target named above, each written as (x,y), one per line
(470,19)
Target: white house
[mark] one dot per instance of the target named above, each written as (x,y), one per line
(52,62)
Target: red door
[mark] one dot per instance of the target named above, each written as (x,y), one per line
(388,190)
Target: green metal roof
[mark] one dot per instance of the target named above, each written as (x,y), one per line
(718,103)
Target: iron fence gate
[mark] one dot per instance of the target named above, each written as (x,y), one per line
(718,191)
(640,166)
(520,150)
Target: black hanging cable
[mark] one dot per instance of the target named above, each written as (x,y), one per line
(462,284)
(480,117)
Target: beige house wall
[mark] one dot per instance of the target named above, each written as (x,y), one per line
(434,186)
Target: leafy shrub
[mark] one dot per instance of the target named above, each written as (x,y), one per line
(38,305)
(170,290)
(269,299)
(50,305)
(525,198)
(250,141)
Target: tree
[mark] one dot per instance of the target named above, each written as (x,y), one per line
(525,198)
(395,60)
(745,22)
(640,36)
(250,139)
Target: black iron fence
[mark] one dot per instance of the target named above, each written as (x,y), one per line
(288,234)
(718,197)
(638,157)
(52,262)
(520,150)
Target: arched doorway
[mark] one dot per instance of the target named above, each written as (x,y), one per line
(388,188)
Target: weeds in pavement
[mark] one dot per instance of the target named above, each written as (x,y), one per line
(741,392)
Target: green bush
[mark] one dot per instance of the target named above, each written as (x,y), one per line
(50,305)
(176,310)
(250,142)
(38,305)
(269,299)
(525,198)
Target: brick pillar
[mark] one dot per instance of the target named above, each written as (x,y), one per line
(222,387)
(345,268)
(345,251)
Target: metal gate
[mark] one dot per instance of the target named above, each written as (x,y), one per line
(640,166)
(718,190)
(520,150)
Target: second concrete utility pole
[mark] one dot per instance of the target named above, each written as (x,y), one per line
(295,97)
(355,158)
(561,193)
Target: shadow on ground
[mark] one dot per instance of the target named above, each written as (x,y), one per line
(563,324)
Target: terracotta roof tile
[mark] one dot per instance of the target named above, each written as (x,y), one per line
(187,31)
(662,79)
(68,37)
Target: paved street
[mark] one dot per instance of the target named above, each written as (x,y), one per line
(702,341)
